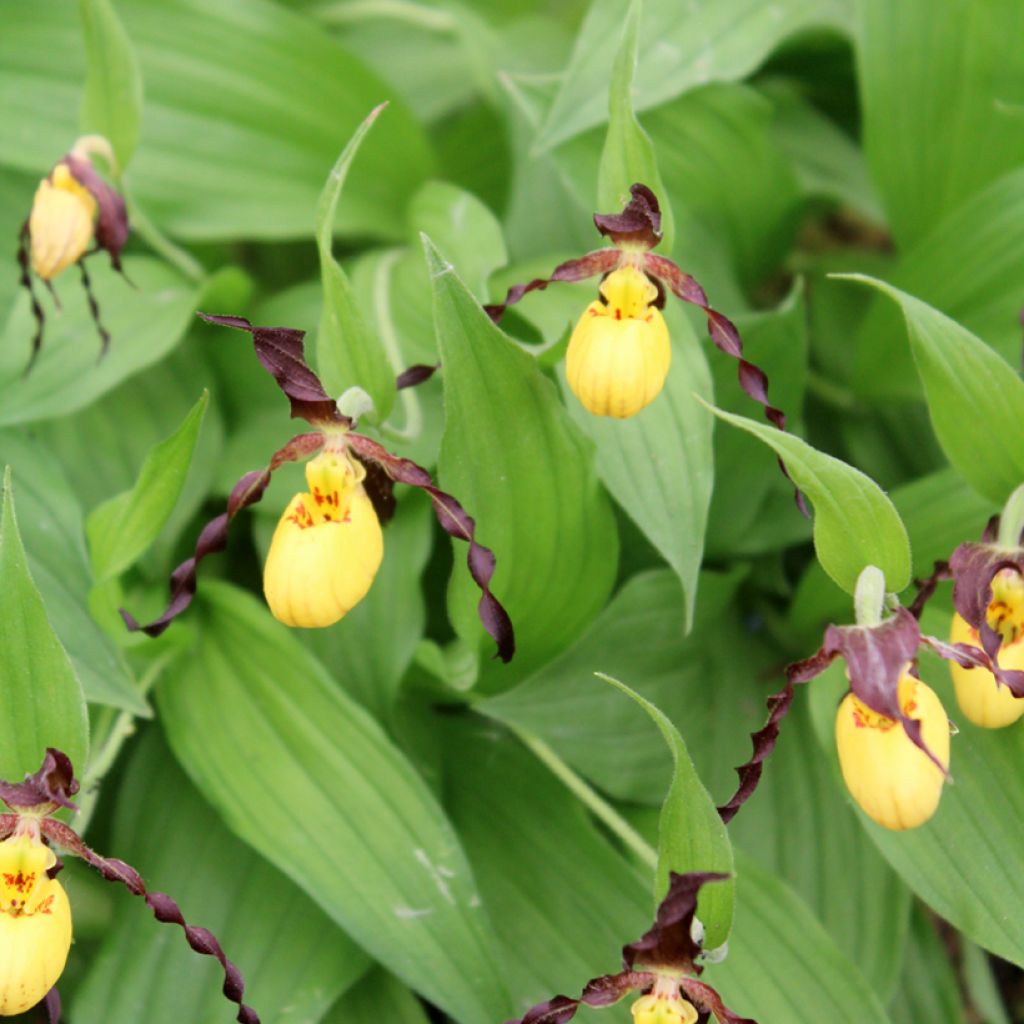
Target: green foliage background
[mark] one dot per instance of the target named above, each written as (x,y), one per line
(380,816)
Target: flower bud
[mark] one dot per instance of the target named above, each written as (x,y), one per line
(619,353)
(61,223)
(660,1008)
(35,924)
(895,782)
(984,701)
(327,546)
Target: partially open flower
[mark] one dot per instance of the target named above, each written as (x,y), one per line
(328,545)
(35,922)
(619,353)
(894,781)
(662,964)
(35,918)
(73,207)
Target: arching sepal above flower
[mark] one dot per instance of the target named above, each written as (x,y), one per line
(662,965)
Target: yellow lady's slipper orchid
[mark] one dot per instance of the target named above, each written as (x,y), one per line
(35,924)
(661,1008)
(619,353)
(61,223)
(895,782)
(327,547)
(984,701)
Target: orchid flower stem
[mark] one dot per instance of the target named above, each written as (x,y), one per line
(162,245)
(585,793)
(869,597)
(1011,521)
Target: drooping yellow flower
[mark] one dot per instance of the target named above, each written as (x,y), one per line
(61,224)
(327,547)
(893,780)
(35,924)
(663,1008)
(619,353)
(984,701)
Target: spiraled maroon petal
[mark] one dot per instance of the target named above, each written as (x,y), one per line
(763,742)
(380,489)
(969,656)
(165,909)
(456,522)
(112,213)
(416,375)
(94,309)
(639,223)
(214,535)
(927,587)
(282,353)
(54,783)
(707,1000)
(25,280)
(669,942)
(610,988)
(600,261)
(557,1010)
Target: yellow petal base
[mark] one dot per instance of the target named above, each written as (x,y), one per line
(61,223)
(326,549)
(619,354)
(894,782)
(657,1008)
(35,925)
(982,700)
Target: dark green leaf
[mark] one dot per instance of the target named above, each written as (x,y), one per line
(929,989)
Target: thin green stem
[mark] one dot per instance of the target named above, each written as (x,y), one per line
(830,393)
(162,245)
(1011,521)
(596,804)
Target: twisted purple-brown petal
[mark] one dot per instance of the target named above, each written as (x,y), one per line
(164,908)
(456,522)
(598,992)
(600,261)
(214,535)
(416,375)
(52,1006)
(281,351)
(25,280)
(707,1000)
(112,213)
(927,587)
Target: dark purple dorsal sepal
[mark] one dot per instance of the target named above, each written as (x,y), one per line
(639,223)
(53,784)
(112,213)
(974,567)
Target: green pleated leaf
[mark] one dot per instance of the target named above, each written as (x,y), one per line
(658,465)
(957,862)
(931,91)
(782,967)
(679,49)
(929,988)
(41,701)
(855,524)
(112,101)
(691,835)
(378,996)
(247,102)
(306,777)
(628,154)
(123,527)
(145,322)
(295,961)
(51,528)
(348,353)
(514,459)
(975,399)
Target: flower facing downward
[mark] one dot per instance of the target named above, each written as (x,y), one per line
(60,226)
(619,354)
(327,547)
(35,923)
(663,1005)
(893,780)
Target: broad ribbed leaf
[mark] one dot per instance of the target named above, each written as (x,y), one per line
(348,353)
(145,322)
(112,102)
(51,528)
(930,90)
(519,466)
(930,989)
(975,398)
(247,103)
(691,835)
(41,701)
(628,154)
(855,524)
(280,751)
(121,529)
(658,464)
(294,959)
(956,862)
(378,996)
(679,49)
